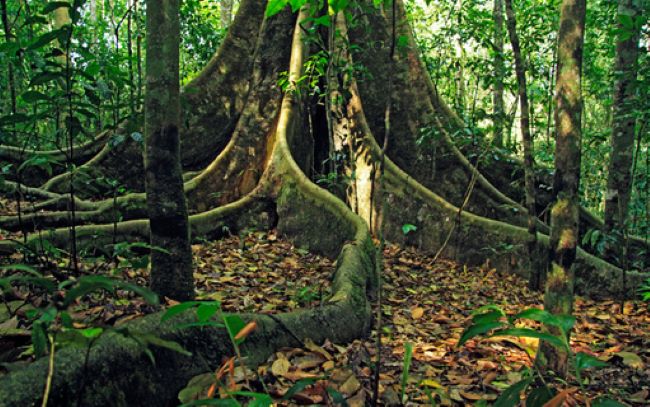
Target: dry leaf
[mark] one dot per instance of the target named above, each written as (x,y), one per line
(417,312)
(280,367)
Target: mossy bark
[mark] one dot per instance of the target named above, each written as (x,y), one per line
(171,258)
(534,254)
(619,179)
(558,298)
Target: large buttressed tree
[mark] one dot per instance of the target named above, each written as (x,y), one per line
(289,100)
(292,98)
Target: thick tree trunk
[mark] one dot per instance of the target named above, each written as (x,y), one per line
(619,180)
(498,111)
(534,255)
(558,298)
(171,257)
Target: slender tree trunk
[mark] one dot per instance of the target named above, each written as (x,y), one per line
(619,180)
(536,264)
(171,269)
(61,18)
(138,51)
(558,298)
(498,113)
(129,48)
(10,71)
(226,12)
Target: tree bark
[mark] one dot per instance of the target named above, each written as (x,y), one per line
(498,112)
(536,265)
(226,13)
(619,180)
(171,257)
(558,297)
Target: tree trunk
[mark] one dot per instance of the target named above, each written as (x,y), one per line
(226,12)
(536,263)
(558,298)
(619,180)
(498,112)
(171,257)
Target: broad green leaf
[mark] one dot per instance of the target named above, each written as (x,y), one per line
(275,6)
(149,296)
(477,329)
(531,333)
(510,396)
(205,312)
(605,402)
(585,361)
(44,77)
(39,339)
(179,309)
(488,317)
(151,339)
(86,285)
(13,119)
(33,96)
(233,324)
(212,402)
(91,333)
(299,386)
(45,39)
(539,396)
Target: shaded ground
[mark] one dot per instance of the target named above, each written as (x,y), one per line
(427,305)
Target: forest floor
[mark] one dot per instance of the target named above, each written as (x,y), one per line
(426,307)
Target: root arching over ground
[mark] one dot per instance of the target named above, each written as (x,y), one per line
(247,147)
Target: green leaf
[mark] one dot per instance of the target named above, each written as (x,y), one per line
(212,402)
(44,77)
(408,228)
(206,311)
(539,396)
(531,333)
(45,39)
(39,339)
(299,386)
(150,339)
(33,96)
(606,402)
(149,296)
(86,285)
(477,329)
(13,119)
(510,396)
(233,324)
(488,317)
(179,309)
(408,356)
(275,6)
(585,361)
(92,332)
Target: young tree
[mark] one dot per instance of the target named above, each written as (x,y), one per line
(535,259)
(558,297)
(171,257)
(498,111)
(619,180)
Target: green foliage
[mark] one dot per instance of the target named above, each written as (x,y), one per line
(491,321)
(408,228)
(644,290)
(52,319)
(406,367)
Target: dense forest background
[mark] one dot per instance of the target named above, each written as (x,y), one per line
(313,200)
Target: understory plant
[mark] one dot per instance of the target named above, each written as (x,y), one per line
(492,321)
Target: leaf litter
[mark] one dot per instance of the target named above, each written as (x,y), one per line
(426,304)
